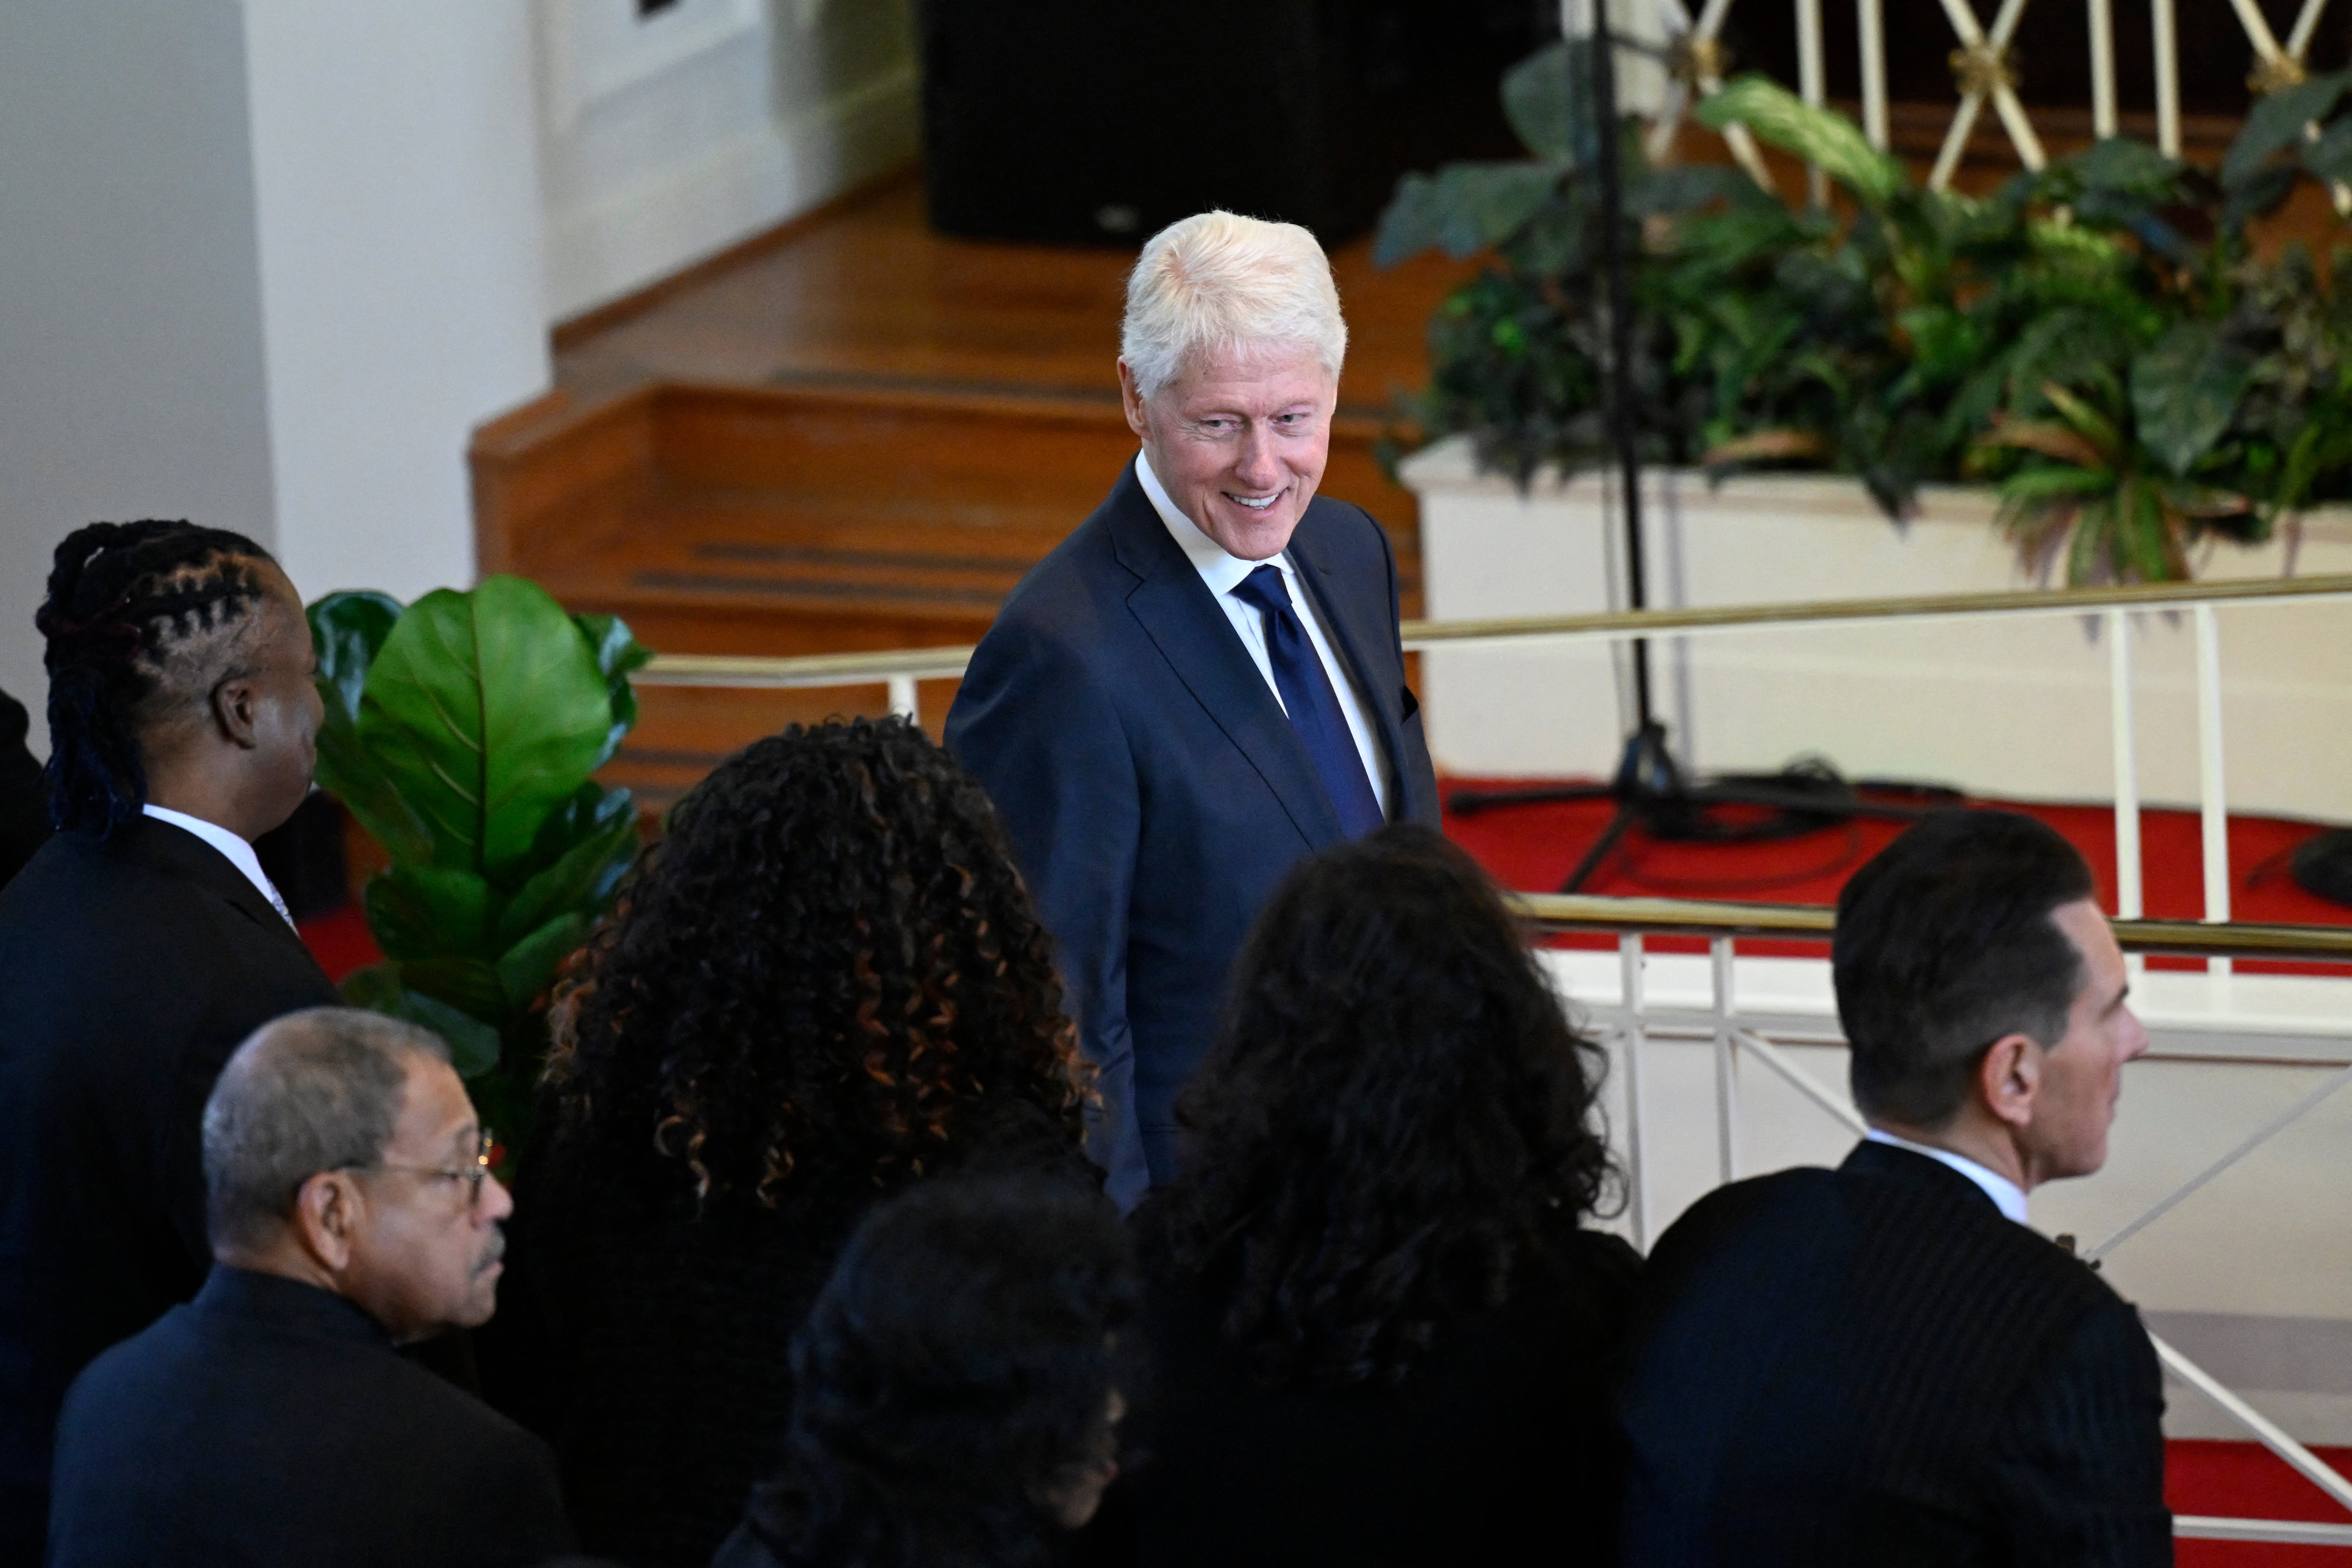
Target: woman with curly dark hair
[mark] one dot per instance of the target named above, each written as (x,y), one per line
(958,1398)
(823,984)
(1377,1322)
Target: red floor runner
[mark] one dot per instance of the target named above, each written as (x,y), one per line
(2246,1480)
(1533,847)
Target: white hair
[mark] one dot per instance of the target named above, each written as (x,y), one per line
(1217,280)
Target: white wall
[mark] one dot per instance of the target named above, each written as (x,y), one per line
(266,263)
(671,136)
(131,348)
(402,279)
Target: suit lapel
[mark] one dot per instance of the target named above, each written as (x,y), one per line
(182,854)
(1381,695)
(1184,621)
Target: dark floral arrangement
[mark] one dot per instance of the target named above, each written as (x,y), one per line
(2098,338)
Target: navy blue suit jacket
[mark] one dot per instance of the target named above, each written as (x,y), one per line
(1153,788)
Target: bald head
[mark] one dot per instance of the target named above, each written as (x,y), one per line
(316,1091)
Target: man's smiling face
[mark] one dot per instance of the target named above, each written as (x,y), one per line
(1239,441)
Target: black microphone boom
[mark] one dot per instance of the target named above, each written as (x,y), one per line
(1650,787)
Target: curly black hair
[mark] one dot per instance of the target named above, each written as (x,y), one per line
(956,1371)
(1395,1105)
(141,616)
(826,960)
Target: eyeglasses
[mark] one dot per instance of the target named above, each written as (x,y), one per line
(473,1175)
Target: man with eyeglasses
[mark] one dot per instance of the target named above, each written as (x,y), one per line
(352,1210)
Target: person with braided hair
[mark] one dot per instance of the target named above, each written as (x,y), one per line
(138,947)
(823,983)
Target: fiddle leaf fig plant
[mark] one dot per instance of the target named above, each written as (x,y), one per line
(2099,338)
(461,732)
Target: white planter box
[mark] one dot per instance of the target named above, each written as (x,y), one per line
(2002,707)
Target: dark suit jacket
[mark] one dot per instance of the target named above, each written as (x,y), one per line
(1497,1438)
(1871,1366)
(1154,791)
(271,1421)
(24,802)
(129,968)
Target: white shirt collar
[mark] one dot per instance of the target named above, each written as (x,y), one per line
(2004,1192)
(1219,568)
(240,854)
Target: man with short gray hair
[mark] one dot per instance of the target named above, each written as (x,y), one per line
(351,1209)
(1204,684)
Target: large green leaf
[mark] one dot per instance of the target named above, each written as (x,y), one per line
(349,629)
(419,911)
(486,709)
(473,1045)
(574,882)
(1463,208)
(1817,135)
(470,984)
(347,770)
(2330,157)
(2184,390)
(1548,98)
(2277,122)
(619,654)
(2121,163)
(527,967)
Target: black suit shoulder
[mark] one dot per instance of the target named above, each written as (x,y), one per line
(176,1447)
(130,969)
(1826,1363)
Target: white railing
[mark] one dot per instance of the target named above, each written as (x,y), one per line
(900,670)
(1736,1038)
(1982,70)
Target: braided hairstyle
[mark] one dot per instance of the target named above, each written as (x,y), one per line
(143,618)
(811,983)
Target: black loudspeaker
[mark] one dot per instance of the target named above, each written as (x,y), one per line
(1104,120)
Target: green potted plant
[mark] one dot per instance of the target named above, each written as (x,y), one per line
(461,732)
(2099,339)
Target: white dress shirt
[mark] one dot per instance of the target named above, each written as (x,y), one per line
(1223,573)
(240,854)
(2007,1193)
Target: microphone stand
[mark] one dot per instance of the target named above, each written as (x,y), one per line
(1649,786)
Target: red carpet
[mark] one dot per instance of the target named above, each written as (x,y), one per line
(340,941)
(2247,1480)
(1533,847)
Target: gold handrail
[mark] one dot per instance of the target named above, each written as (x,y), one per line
(1688,917)
(947,663)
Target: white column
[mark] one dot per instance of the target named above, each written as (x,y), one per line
(2102,69)
(131,359)
(1813,82)
(268,263)
(2167,80)
(403,274)
(1871,23)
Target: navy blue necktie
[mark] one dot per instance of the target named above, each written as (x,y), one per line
(1313,706)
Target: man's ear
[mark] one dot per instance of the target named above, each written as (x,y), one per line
(236,705)
(2008,1078)
(1130,399)
(326,1218)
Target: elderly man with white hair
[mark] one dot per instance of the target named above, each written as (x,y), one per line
(1204,684)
